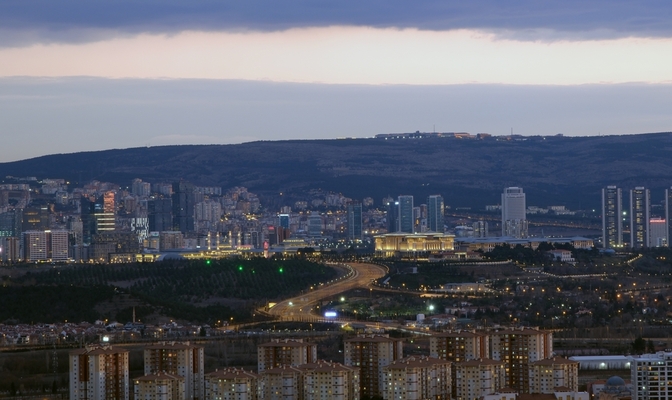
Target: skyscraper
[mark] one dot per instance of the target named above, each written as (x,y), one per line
(406,220)
(435,213)
(355,221)
(183,206)
(612,222)
(640,210)
(514,221)
(392,208)
(159,213)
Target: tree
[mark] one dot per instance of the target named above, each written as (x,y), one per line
(639,345)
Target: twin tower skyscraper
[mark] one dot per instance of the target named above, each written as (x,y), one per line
(645,231)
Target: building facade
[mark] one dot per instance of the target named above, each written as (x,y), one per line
(612,220)
(549,374)
(354,210)
(435,217)
(640,214)
(179,359)
(280,352)
(99,373)
(417,378)
(371,354)
(514,220)
(159,386)
(406,220)
(232,384)
(477,378)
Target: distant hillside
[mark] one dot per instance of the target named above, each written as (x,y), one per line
(552,170)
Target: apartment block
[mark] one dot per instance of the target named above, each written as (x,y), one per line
(476,378)
(160,386)
(280,352)
(548,375)
(417,378)
(371,354)
(99,373)
(325,380)
(232,384)
(179,359)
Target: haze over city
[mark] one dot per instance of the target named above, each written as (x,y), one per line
(80,76)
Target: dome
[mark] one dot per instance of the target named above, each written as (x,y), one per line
(615,381)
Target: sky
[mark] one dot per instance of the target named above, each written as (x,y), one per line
(79,75)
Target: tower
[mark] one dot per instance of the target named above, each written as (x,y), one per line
(355,221)
(406,220)
(640,210)
(183,206)
(612,223)
(99,373)
(392,208)
(668,215)
(435,213)
(514,221)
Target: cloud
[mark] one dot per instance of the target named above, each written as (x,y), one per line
(48,21)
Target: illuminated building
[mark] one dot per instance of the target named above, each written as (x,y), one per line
(514,220)
(612,221)
(417,378)
(99,373)
(371,354)
(392,208)
(412,245)
(549,374)
(457,347)
(658,232)
(45,245)
(518,348)
(476,378)
(159,386)
(180,359)
(282,383)
(649,376)
(232,384)
(325,380)
(640,209)
(35,218)
(279,352)
(184,200)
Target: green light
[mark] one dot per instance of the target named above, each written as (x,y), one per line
(240,268)
(208,262)
(281,270)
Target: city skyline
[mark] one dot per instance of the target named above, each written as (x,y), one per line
(119,76)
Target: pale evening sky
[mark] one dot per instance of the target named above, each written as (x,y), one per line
(79,75)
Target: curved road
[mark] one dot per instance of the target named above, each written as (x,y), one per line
(299,308)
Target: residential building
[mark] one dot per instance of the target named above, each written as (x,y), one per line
(435,218)
(668,215)
(325,380)
(371,354)
(514,220)
(282,383)
(649,376)
(232,384)
(612,220)
(180,359)
(547,375)
(99,373)
(640,210)
(459,346)
(476,378)
(159,386)
(279,352)
(417,378)
(518,348)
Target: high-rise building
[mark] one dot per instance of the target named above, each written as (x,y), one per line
(648,376)
(10,249)
(140,188)
(392,208)
(160,214)
(159,386)
(406,220)
(514,220)
(315,225)
(612,220)
(283,220)
(184,200)
(658,232)
(180,359)
(35,246)
(459,346)
(282,383)
(354,220)
(476,378)
(279,352)
(549,374)
(232,384)
(10,223)
(99,373)
(640,210)
(435,213)
(372,353)
(518,348)
(95,219)
(325,380)
(35,218)
(480,229)
(416,378)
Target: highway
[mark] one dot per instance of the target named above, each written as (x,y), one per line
(300,307)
